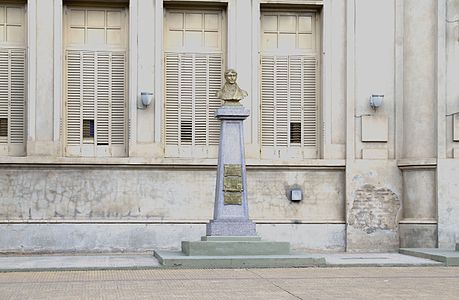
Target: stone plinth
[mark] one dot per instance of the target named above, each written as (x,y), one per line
(234,247)
(231,214)
(180,260)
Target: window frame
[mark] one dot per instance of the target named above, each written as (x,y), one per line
(9,148)
(86,149)
(191,151)
(293,153)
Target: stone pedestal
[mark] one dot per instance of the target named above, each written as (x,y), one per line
(231,214)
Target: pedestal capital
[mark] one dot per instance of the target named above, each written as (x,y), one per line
(232,113)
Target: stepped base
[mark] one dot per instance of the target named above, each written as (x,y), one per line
(448,257)
(180,260)
(236,252)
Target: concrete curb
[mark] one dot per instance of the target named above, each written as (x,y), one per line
(39,263)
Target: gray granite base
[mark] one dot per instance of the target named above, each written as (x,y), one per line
(231,228)
(235,252)
(448,257)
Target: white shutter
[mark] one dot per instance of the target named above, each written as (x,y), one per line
(12,79)
(268,79)
(118,101)
(17,102)
(193,71)
(74,95)
(12,99)
(4,95)
(310,101)
(192,81)
(96,81)
(96,91)
(102,121)
(215,64)
(172,65)
(289,106)
(289,73)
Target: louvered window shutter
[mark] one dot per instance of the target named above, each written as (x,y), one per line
(96,96)
(289,72)
(194,73)
(96,84)
(12,100)
(12,79)
(289,106)
(192,81)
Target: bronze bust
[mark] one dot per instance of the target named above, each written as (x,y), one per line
(231,93)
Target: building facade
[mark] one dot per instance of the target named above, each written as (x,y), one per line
(89,164)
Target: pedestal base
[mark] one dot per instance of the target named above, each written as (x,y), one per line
(178,259)
(236,252)
(231,228)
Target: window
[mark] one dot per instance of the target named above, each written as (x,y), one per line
(12,79)
(289,85)
(194,71)
(96,81)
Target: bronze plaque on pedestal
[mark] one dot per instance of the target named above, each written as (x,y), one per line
(232,184)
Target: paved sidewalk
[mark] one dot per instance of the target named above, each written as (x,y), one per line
(302,283)
(11,263)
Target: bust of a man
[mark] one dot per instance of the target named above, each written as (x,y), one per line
(231,93)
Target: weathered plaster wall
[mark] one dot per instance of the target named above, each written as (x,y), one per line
(42,119)
(374,193)
(373,179)
(146,70)
(372,196)
(118,237)
(323,195)
(448,204)
(419,83)
(419,199)
(333,84)
(448,169)
(374,74)
(48,238)
(65,209)
(161,194)
(418,144)
(452,76)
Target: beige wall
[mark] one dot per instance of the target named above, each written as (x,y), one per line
(406,50)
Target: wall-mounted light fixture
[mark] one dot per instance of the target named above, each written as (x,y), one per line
(376,101)
(145,100)
(296,194)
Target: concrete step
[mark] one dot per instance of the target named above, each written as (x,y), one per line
(448,257)
(217,238)
(178,259)
(234,247)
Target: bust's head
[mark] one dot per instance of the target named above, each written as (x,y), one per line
(231,76)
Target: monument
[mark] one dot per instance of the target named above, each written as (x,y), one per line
(231,239)
(231,214)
